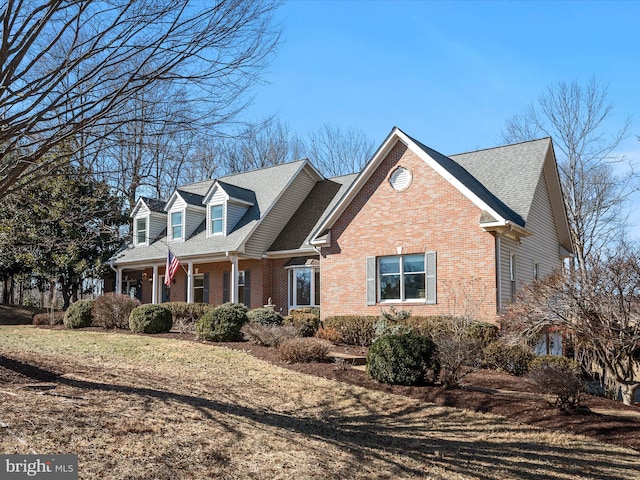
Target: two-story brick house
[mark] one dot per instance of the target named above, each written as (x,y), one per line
(414,229)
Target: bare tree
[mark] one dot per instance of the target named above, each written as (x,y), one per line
(69,69)
(601,314)
(337,152)
(576,118)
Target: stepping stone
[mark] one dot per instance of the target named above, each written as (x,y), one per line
(349,358)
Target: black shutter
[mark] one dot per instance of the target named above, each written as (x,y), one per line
(247,288)
(225,287)
(205,288)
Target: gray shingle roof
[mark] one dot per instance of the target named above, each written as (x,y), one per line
(472,183)
(267,185)
(191,198)
(511,173)
(312,212)
(154,204)
(238,192)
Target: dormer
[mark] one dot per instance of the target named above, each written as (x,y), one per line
(226,204)
(185,213)
(149,220)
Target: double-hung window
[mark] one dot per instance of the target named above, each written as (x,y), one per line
(141,231)
(402,278)
(176,225)
(217,218)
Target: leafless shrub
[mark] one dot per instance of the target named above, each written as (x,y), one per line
(304,350)
(268,335)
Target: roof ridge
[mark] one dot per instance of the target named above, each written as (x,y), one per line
(263,168)
(500,146)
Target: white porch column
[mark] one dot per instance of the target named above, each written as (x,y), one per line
(233,294)
(154,285)
(118,286)
(190,283)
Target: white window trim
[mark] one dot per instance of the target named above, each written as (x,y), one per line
(312,286)
(135,230)
(210,232)
(194,288)
(401,273)
(182,225)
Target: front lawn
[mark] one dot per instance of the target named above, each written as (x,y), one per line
(134,406)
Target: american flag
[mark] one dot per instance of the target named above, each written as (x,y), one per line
(172,266)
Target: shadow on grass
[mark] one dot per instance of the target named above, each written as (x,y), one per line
(422,433)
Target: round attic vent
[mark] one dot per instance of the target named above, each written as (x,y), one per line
(400,179)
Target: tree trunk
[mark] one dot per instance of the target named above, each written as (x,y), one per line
(629,393)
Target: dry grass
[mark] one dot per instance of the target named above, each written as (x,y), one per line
(151,408)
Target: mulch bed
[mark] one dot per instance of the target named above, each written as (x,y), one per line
(479,394)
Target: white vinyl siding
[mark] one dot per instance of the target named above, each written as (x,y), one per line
(231,212)
(157,223)
(276,219)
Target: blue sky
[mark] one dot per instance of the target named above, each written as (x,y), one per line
(448,73)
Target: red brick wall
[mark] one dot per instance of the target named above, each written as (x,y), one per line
(431,215)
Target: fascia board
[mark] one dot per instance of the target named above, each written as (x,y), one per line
(359,182)
(398,135)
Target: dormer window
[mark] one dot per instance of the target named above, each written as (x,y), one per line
(217,219)
(141,231)
(176,225)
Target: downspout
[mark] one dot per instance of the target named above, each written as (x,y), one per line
(116,285)
(498,273)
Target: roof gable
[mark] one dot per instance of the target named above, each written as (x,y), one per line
(232,192)
(152,204)
(189,198)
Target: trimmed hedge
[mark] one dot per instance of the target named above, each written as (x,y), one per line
(150,319)
(265,316)
(187,312)
(78,315)
(268,335)
(353,329)
(223,323)
(404,359)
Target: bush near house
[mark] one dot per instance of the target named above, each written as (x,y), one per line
(353,329)
(513,359)
(306,320)
(150,319)
(404,359)
(185,315)
(223,323)
(112,310)
(559,377)
(304,350)
(78,315)
(268,335)
(265,316)
(329,334)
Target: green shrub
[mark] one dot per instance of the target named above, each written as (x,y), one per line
(112,310)
(404,359)
(268,335)
(304,350)
(265,316)
(353,329)
(78,315)
(150,319)
(49,318)
(185,315)
(513,359)
(559,377)
(306,323)
(223,323)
